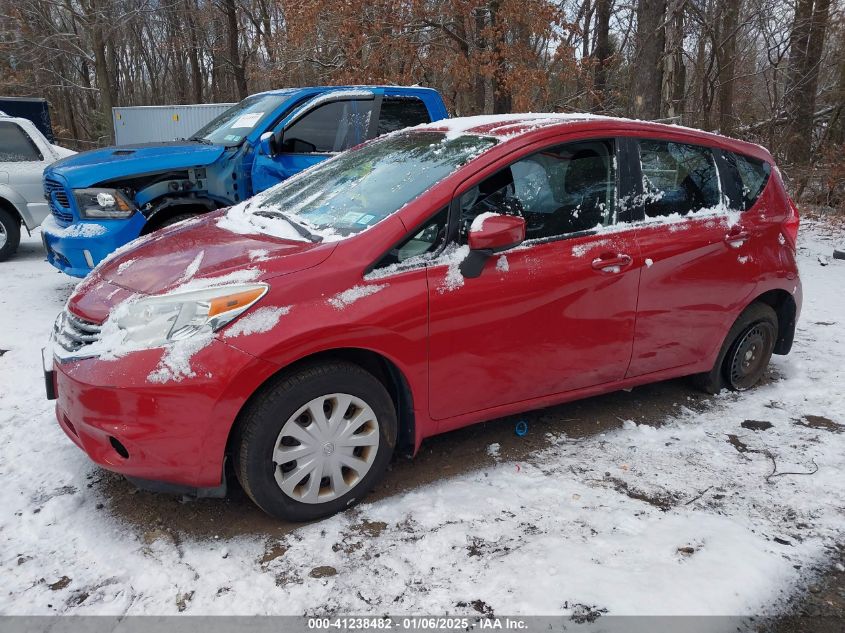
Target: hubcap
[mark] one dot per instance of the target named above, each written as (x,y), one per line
(749,359)
(3,237)
(326,448)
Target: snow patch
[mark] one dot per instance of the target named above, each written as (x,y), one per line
(478,222)
(649,262)
(348,297)
(241,221)
(452,257)
(192,268)
(124,265)
(261,320)
(175,364)
(502,264)
(78,229)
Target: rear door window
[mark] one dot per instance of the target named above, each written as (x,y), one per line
(678,178)
(15,145)
(330,127)
(401,112)
(750,176)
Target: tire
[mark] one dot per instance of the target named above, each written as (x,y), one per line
(10,234)
(746,352)
(279,424)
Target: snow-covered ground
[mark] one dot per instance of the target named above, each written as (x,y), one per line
(696,514)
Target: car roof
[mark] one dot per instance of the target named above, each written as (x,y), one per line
(509,126)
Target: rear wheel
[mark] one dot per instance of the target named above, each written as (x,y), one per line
(746,352)
(316,442)
(10,234)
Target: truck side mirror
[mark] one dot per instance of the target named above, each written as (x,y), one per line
(267,144)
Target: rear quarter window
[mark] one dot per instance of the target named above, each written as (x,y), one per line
(15,145)
(750,177)
(401,112)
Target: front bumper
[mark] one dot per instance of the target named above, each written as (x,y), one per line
(66,249)
(174,432)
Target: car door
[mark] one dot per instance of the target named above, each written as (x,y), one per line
(321,128)
(553,315)
(22,161)
(697,272)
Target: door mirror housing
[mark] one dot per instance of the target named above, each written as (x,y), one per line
(267,144)
(489,234)
(496,233)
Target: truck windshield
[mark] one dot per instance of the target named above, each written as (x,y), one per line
(231,127)
(361,187)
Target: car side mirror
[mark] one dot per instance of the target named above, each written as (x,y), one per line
(490,234)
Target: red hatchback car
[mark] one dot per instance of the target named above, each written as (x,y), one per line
(427,280)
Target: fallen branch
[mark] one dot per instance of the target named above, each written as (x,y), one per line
(775,472)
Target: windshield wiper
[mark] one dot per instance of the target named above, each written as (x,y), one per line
(200,139)
(299,228)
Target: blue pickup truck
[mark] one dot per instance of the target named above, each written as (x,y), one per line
(102,199)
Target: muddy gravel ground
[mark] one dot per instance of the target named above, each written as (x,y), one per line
(659,485)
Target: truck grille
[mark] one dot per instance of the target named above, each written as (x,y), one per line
(72,333)
(58,199)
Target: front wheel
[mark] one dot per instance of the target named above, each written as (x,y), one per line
(746,352)
(316,441)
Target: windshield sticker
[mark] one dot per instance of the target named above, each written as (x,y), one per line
(352,217)
(232,137)
(365,219)
(247,120)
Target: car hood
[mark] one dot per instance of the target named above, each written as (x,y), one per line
(193,254)
(95,166)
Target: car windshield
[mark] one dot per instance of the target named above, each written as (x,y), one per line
(361,187)
(231,127)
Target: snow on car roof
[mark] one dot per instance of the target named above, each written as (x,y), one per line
(509,125)
(506,124)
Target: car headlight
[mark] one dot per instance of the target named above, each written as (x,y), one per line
(103,203)
(158,320)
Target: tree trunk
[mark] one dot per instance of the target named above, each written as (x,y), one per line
(233,33)
(804,76)
(604,51)
(648,71)
(193,54)
(726,61)
(674,71)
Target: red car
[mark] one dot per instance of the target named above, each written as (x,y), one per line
(424,281)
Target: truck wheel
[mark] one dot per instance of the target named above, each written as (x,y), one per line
(746,352)
(10,234)
(316,441)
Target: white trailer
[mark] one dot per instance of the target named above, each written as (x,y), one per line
(155,124)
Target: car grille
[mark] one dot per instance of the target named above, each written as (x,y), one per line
(59,202)
(72,334)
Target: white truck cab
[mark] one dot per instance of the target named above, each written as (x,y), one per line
(24,153)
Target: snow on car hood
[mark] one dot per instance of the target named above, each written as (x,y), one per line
(89,168)
(187,256)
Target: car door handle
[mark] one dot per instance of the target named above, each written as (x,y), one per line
(612,264)
(737,238)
